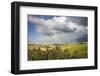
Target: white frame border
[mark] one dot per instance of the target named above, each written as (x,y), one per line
(24,64)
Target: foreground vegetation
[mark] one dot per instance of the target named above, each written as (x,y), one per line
(55,51)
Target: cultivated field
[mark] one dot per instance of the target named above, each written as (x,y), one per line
(57,51)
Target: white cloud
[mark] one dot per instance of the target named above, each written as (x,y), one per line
(58,28)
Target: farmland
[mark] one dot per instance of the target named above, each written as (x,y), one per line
(57,51)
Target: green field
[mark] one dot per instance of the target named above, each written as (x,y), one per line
(57,51)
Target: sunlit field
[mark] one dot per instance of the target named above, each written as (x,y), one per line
(57,51)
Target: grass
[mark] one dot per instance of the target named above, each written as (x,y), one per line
(54,51)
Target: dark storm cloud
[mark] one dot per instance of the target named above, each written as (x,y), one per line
(83,38)
(79,20)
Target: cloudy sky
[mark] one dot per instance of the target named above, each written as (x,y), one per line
(44,29)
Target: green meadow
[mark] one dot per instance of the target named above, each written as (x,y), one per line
(57,51)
